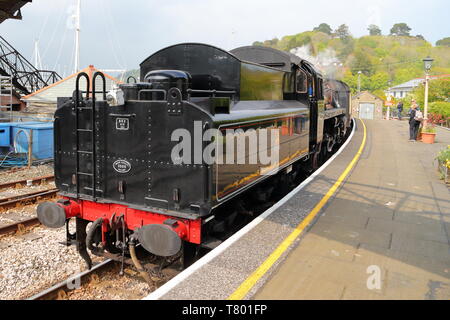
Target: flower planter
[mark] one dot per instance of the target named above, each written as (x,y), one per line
(445,172)
(428,137)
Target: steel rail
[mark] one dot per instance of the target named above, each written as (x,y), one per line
(28,197)
(63,286)
(18,226)
(25,182)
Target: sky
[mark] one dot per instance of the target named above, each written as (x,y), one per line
(117,34)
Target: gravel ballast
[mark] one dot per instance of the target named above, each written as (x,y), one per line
(34,261)
(33,172)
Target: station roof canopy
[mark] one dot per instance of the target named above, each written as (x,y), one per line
(10,9)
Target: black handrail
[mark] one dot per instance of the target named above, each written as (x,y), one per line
(131,77)
(210,92)
(104,84)
(94,129)
(77,104)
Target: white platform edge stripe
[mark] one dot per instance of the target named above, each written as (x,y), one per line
(172,283)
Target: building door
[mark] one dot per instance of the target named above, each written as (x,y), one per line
(366,110)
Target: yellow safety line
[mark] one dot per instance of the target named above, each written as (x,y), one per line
(248,284)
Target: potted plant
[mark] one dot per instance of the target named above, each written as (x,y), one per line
(428,133)
(444,163)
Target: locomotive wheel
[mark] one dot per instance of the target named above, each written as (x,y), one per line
(338,135)
(315,160)
(331,140)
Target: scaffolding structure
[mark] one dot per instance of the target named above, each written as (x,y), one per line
(6,98)
(25,77)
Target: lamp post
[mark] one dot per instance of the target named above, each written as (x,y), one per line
(427,64)
(359,81)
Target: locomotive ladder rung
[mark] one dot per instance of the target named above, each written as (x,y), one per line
(85,174)
(90,189)
(79,107)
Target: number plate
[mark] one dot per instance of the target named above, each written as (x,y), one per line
(122,123)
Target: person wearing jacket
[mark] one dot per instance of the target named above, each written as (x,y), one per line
(399,110)
(413,123)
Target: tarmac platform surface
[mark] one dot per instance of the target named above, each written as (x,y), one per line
(380,230)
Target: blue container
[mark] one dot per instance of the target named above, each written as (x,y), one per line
(5,134)
(42,139)
(6,128)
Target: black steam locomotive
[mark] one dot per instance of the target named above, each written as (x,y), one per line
(142,161)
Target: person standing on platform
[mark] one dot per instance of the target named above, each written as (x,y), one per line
(399,110)
(415,118)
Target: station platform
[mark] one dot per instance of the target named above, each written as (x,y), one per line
(372,224)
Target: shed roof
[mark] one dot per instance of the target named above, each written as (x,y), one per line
(65,87)
(416,82)
(408,84)
(10,9)
(359,95)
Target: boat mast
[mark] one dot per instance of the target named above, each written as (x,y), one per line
(77,37)
(37,56)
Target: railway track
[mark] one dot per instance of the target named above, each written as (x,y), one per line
(27,182)
(13,170)
(91,280)
(27,198)
(19,226)
(23,199)
(59,290)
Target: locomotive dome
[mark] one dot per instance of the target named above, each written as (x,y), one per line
(210,68)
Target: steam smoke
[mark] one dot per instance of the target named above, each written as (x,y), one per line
(326,61)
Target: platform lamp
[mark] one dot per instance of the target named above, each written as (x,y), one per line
(427,62)
(359,81)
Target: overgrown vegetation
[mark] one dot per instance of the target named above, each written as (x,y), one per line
(444,156)
(383,60)
(438,101)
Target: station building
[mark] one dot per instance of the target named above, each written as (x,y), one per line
(366,105)
(43,103)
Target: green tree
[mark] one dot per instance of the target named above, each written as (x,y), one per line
(445,42)
(342,32)
(374,30)
(324,27)
(438,90)
(362,63)
(298,40)
(347,49)
(271,43)
(379,81)
(421,37)
(400,29)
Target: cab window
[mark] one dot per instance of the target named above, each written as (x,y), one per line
(320,89)
(302,82)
